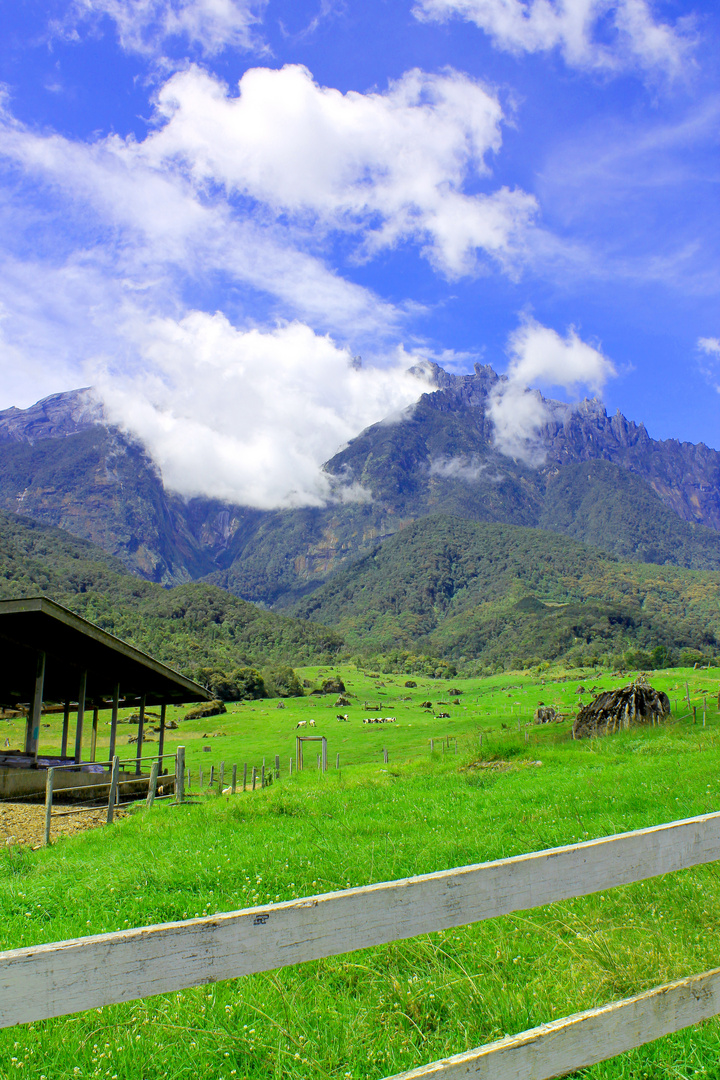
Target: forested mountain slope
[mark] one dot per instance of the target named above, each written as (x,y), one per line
(507,594)
(191,627)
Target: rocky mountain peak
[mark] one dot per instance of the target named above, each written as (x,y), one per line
(52,418)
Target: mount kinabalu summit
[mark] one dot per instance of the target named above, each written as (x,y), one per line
(599,479)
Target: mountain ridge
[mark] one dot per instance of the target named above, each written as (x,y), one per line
(644,499)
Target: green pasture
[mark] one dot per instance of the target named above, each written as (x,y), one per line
(376,1012)
(497,707)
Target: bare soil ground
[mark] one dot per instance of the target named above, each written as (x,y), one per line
(24,823)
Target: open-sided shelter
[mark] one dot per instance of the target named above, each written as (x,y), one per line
(50,655)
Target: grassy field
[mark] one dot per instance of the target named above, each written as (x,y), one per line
(376,1012)
(496,707)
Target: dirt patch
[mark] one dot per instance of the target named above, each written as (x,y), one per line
(24,823)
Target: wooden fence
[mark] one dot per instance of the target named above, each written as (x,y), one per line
(65,977)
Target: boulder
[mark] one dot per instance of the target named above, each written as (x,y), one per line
(410,684)
(545,714)
(342,701)
(617,710)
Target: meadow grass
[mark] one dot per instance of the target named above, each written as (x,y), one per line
(378,1011)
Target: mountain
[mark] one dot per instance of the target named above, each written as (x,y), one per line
(598,479)
(195,627)
(512,596)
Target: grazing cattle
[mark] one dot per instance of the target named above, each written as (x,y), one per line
(312,723)
(341,716)
(301,723)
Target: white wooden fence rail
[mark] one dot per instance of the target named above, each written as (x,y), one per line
(66,977)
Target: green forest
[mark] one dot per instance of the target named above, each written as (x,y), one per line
(442,596)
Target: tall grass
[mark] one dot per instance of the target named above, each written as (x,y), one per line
(378,1011)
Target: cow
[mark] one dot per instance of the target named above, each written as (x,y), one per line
(301,723)
(341,716)
(312,723)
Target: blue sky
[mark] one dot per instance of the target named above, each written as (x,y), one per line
(208,207)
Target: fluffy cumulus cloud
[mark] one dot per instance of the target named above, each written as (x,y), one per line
(249,416)
(146,26)
(540,356)
(606,35)
(386,167)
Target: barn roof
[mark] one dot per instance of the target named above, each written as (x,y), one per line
(73,645)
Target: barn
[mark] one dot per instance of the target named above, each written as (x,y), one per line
(52,660)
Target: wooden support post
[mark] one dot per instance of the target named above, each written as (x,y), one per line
(337,760)
(245,776)
(32,726)
(112,794)
(262,775)
(324,754)
(200,778)
(318,763)
(704,710)
(212,775)
(687,694)
(234,780)
(298,753)
(254,777)
(161,742)
(80,717)
(481,740)
(180,774)
(432,745)
(141,729)
(114,721)
(48,802)
(694,712)
(527,739)
(290,768)
(385,754)
(152,786)
(93,737)
(65,729)
(277,766)
(222,774)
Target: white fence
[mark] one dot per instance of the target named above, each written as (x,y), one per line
(65,977)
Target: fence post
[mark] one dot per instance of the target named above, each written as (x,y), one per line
(48,802)
(112,795)
(337,760)
(324,754)
(222,773)
(277,766)
(432,746)
(180,774)
(234,779)
(254,777)
(212,775)
(200,778)
(152,786)
(245,776)
(694,709)
(385,754)
(262,775)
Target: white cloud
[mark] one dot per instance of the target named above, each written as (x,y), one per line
(467,467)
(146,26)
(710,364)
(248,416)
(604,35)
(388,167)
(540,355)
(710,346)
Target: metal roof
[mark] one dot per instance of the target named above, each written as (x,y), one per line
(73,645)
